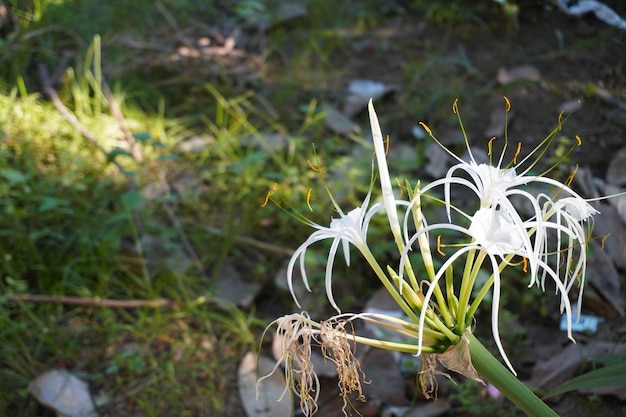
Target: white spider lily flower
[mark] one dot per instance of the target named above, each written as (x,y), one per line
(497,233)
(566,216)
(495,187)
(577,207)
(350,228)
(496,249)
(496,236)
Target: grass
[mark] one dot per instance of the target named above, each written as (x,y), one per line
(109,206)
(91,205)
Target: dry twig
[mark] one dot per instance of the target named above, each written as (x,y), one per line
(90,302)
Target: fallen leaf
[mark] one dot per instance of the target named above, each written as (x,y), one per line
(64,393)
(262,399)
(519,73)
(337,121)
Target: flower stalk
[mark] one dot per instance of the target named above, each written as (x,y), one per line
(512,388)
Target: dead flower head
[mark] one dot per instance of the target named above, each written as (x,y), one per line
(296,333)
(337,348)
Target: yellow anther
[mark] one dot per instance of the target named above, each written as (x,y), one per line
(439,246)
(604,240)
(269,194)
(455,106)
(490,145)
(560,119)
(571,176)
(519,148)
(426,128)
(308,198)
(525,267)
(387,145)
(579,140)
(313,167)
(508,103)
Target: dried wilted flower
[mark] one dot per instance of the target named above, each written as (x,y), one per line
(296,336)
(337,348)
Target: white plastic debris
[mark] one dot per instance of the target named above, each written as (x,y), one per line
(601,10)
(64,393)
(587,324)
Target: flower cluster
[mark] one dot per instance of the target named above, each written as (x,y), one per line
(501,232)
(550,237)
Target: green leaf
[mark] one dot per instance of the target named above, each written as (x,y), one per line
(50,203)
(609,376)
(142,136)
(13,176)
(117,152)
(131,200)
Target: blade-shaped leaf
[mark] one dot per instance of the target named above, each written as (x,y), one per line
(609,376)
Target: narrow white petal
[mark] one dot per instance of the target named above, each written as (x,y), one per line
(383,172)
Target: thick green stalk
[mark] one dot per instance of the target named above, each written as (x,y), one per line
(493,371)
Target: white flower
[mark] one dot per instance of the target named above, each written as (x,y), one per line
(496,232)
(566,216)
(347,229)
(578,208)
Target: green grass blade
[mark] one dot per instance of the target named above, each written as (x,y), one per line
(610,376)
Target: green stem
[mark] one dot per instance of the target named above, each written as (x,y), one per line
(500,377)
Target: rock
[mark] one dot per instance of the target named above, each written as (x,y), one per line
(232,287)
(604,279)
(337,121)
(64,393)
(609,223)
(616,173)
(266,397)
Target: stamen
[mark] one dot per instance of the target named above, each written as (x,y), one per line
(525,267)
(571,176)
(387,145)
(269,194)
(439,246)
(313,167)
(426,128)
(604,240)
(455,106)
(308,198)
(579,140)
(519,148)
(490,145)
(400,186)
(508,104)
(560,119)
